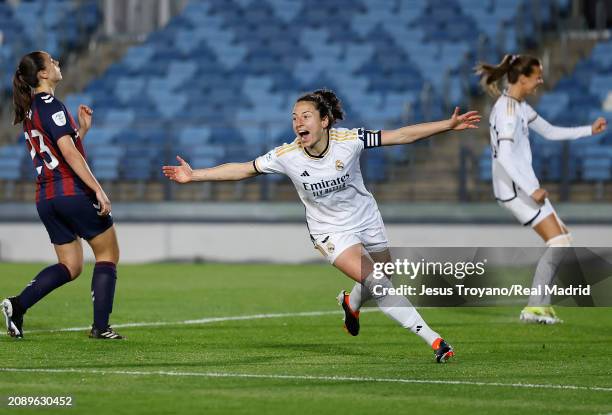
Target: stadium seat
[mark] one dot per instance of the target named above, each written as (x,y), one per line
(484,165)
(137,169)
(105,170)
(49,34)
(16,151)
(101,135)
(9,168)
(225,72)
(597,163)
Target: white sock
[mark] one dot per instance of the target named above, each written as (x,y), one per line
(399,309)
(359,295)
(545,273)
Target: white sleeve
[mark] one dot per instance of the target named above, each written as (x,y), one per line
(551,132)
(505,126)
(506,159)
(269,163)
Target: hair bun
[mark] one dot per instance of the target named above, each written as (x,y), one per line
(331,100)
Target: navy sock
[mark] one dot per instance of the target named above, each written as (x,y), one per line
(46,281)
(103,292)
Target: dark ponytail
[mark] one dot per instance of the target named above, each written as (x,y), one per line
(511,65)
(26,78)
(327,103)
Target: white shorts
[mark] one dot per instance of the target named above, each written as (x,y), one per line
(526,210)
(331,245)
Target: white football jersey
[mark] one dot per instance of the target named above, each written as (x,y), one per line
(510,121)
(330,186)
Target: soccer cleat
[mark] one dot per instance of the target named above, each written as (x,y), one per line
(351,318)
(541,315)
(105,334)
(442,350)
(13,318)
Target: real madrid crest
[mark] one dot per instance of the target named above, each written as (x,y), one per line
(339,165)
(330,247)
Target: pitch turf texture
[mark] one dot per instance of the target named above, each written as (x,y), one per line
(292,364)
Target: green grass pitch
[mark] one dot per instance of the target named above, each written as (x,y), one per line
(291,364)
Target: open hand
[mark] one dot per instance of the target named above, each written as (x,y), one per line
(462,121)
(180,174)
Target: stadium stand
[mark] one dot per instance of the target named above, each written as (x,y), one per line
(218,81)
(40,23)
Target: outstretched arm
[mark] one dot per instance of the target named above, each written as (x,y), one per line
(412,133)
(552,132)
(183,173)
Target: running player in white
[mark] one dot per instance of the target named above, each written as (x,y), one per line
(515,184)
(342,216)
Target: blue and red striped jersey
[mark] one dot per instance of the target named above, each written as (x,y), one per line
(47,122)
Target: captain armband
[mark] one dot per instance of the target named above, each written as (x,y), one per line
(370,138)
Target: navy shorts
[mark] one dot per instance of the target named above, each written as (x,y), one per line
(67,217)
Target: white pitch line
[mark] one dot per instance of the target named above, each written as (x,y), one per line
(209,320)
(206,320)
(309,377)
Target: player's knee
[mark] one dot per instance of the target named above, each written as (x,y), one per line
(563,240)
(107,253)
(74,268)
(112,256)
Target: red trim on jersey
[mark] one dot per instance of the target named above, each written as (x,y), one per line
(61,181)
(67,178)
(27,128)
(67,172)
(49,175)
(69,184)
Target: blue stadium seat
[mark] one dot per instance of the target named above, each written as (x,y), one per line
(597,169)
(105,170)
(107,154)
(137,169)
(597,163)
(101,136)
(231,70)
(601,86)
(118,117)
(51,31)
(129,88)
(16,151)
(375,166)
(484,165)
(553,104)
(193,136)
(9,168)
(212,151)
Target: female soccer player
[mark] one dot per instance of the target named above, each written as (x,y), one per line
(342,216)
(515,184)
(70,201)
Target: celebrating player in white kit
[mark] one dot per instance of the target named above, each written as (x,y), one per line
(515,184)
(342,216)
